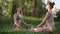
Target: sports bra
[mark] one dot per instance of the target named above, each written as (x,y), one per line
(19,17)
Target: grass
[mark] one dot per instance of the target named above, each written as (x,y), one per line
(21,32)
(6,26)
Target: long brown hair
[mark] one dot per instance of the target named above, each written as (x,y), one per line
(14,9)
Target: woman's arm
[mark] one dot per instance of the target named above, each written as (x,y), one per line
(15,20)
(45,25)
(25,23)
(47,15)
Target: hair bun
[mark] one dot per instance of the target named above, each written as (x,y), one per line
(53,3)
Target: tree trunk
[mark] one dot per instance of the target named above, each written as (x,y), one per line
(34,8)
(1,8)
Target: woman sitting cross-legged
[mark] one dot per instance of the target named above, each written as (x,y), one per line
(18,19)
(48,20)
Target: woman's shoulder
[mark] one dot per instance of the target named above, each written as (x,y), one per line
(15,14)
(48,13)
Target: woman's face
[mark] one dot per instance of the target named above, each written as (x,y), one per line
(47,6)
(19,9)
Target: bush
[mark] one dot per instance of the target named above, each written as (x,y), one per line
(58,16)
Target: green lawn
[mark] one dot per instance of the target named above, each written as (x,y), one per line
(6,26)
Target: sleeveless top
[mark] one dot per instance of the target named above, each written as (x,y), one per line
(19,17)
(51,17)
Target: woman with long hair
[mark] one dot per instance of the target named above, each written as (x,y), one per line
(18,19)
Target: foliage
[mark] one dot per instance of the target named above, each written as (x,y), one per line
(27,10)
(6,8)
(58,16)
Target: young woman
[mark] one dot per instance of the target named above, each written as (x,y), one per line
(18,19)
(48,20)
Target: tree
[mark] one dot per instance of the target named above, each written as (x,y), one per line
(34,8)
(38,8)
(58,16)
(0,8)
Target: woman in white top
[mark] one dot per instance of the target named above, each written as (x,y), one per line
(48,20)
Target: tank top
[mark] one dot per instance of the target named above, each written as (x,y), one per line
(19,17)
(51,17)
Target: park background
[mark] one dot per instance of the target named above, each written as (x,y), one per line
(33,12)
